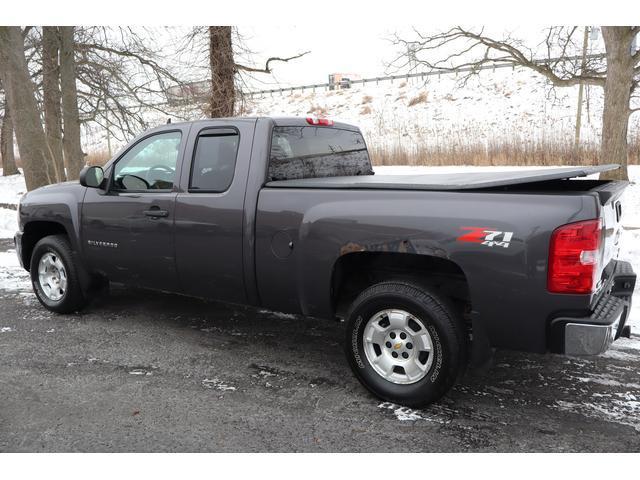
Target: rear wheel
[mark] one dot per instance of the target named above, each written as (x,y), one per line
(405,343)
(55,277)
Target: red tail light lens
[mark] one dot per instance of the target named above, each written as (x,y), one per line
(573,257)
(319,121)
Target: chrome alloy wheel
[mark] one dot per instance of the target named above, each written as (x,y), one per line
(398,346)
(52,276)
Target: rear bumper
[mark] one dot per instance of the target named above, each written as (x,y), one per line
(593,334)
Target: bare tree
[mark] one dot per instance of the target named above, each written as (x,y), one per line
(224,69)
(619,74)
(223,95)
(6,142)
(120,79)
(19,91)
(74,157)
(51,98)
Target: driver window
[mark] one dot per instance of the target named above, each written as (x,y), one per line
(150,164)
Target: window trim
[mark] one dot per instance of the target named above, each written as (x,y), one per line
(203,132)
(110,187)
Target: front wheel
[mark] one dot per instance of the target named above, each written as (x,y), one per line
(404,343)
(55,277)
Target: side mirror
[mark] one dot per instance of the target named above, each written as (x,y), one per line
(91,177)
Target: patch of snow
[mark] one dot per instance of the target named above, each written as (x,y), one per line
(13,277)
(8,222)
(6,329)
(11,188)
(607,380)
(620,355)
(217,384)
(406,414)
(282,315)
(632,343)
(624,410)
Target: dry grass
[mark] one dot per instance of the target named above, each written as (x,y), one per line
(367,99)
(317,110)
(366,110)
(506,153)
(421,98)
(510,153)
(99,157)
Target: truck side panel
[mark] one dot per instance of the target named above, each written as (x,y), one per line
(301,233)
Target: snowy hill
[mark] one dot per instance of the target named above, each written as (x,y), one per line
(502,106)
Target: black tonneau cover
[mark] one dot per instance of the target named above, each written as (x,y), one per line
(443,181)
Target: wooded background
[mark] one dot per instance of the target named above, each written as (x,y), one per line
(55,79)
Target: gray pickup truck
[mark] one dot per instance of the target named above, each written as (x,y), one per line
(429,272)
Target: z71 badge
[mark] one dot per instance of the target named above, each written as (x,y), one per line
(486,236)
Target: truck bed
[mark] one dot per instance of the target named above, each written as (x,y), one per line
(443,181)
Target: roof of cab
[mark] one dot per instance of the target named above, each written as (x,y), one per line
(277,121)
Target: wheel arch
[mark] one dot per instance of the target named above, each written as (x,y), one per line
(36,230)
(354,272)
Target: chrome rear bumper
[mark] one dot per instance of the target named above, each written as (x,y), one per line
(585,339)
(594,334)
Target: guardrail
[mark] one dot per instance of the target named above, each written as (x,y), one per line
(407,76)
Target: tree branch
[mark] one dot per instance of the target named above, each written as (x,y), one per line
(508,51)
(267,68)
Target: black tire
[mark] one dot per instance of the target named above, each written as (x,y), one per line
(446,330)
(73,298)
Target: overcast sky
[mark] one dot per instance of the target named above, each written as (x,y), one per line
(362,49)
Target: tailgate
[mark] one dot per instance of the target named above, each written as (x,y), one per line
(611,213)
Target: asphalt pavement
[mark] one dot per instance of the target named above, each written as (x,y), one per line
(146,371)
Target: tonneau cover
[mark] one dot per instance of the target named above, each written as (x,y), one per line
(443,181)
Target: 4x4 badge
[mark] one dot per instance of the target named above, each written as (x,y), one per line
(486,236)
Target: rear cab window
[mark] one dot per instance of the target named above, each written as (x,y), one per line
(316,152)
(214,160)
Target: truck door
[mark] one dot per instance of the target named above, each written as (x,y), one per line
(210,210)
(128,232)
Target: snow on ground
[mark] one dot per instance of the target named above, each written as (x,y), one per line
(217,384)
(13,278)
(11,189)
(8,222)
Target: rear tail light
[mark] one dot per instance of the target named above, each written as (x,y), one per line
(573,257)
(319,121)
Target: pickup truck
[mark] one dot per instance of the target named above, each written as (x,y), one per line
(428,272)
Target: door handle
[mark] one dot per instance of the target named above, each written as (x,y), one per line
(155,212)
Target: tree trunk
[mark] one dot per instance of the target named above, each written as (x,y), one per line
(51,96)
(222,101)
(617,93)
(73,155)
(19,89)
(6,143)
